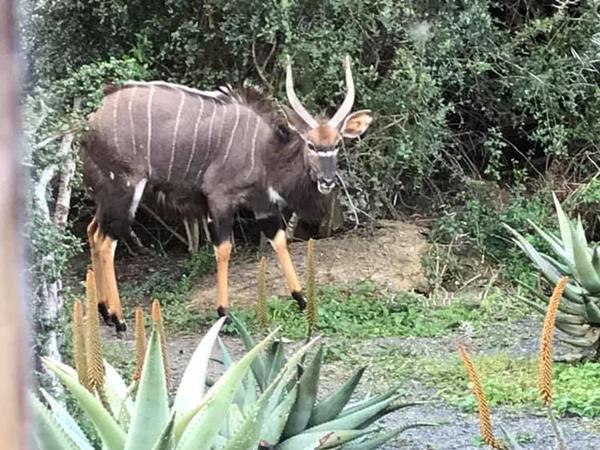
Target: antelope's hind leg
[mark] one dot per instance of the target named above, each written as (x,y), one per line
(274,230)
(113,219)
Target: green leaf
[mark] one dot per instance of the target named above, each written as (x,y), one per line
(204,424)
(108,429)
(273,428)
(587,275)
(378,441)
(565,228)
(151,411)
(275,360)
(259,364)
(118,395)
(305,400)
(166,440)
(321,439)
(357,406)
(329,408)
(49,433)
(249,432)
(191,389)
(356,419)
(557,246)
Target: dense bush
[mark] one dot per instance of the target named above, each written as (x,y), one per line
(494,91)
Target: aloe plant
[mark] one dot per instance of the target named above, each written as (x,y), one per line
(239,411)
(302,420)
(579,310)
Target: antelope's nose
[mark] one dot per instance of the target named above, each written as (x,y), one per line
(326,185)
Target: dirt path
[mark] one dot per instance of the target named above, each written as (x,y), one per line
(390,256)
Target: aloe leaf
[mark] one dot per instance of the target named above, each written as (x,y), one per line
(587,275)
(596,258)
(226,358)
(66,421)
(49,432)
(108,429)
(387,410)
(191,389)
(365,403)
(117,394)
(273,428)
(573,330)
(321,439)
(204,423)
(151,410)
(166,440)
(249,433)
(378,441)
(564,225)
(592,311)
(259,365)
(356,419)
(275,360)
(555,244)
(305,401)
(329,408)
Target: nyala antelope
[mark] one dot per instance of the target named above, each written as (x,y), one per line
(208,153)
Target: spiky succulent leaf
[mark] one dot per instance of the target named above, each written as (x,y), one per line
(373,443)
(586,273)
(49,433)
(307,394)
(117,395)
(329,408)
(592,312)
(259,365)
(275,360)
(193,382)
(108,429)
(151,411)
(564,225)
(356,419)
(166,440)
(556,245)
(273,428)
(203,424)
(67,421)
(321,439)
(511,439)
(369,401)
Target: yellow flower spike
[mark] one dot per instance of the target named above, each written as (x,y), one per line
(140,342)
(545,359)
(485,420)
(158,323)
(93,345)
(262,312)
(79,355)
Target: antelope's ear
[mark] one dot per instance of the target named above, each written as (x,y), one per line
(294,121)
(357,123)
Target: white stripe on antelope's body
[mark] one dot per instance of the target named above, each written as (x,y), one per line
(210,153)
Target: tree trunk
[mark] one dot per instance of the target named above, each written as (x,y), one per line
(13,357)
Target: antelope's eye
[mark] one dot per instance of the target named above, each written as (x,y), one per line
(310,145)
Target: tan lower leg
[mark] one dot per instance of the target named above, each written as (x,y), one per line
(279,243)
(95,243)
(222,253)
(109,279)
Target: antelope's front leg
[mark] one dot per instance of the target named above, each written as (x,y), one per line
(274,230)
(220,231)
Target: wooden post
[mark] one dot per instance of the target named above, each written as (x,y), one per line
(13,354)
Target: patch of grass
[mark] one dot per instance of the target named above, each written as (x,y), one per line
(361,311)
(508,381)
(120,355)
(173,291)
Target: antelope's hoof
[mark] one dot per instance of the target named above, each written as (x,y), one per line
(106,316)
(300,300)
(222,312)
(120,325)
